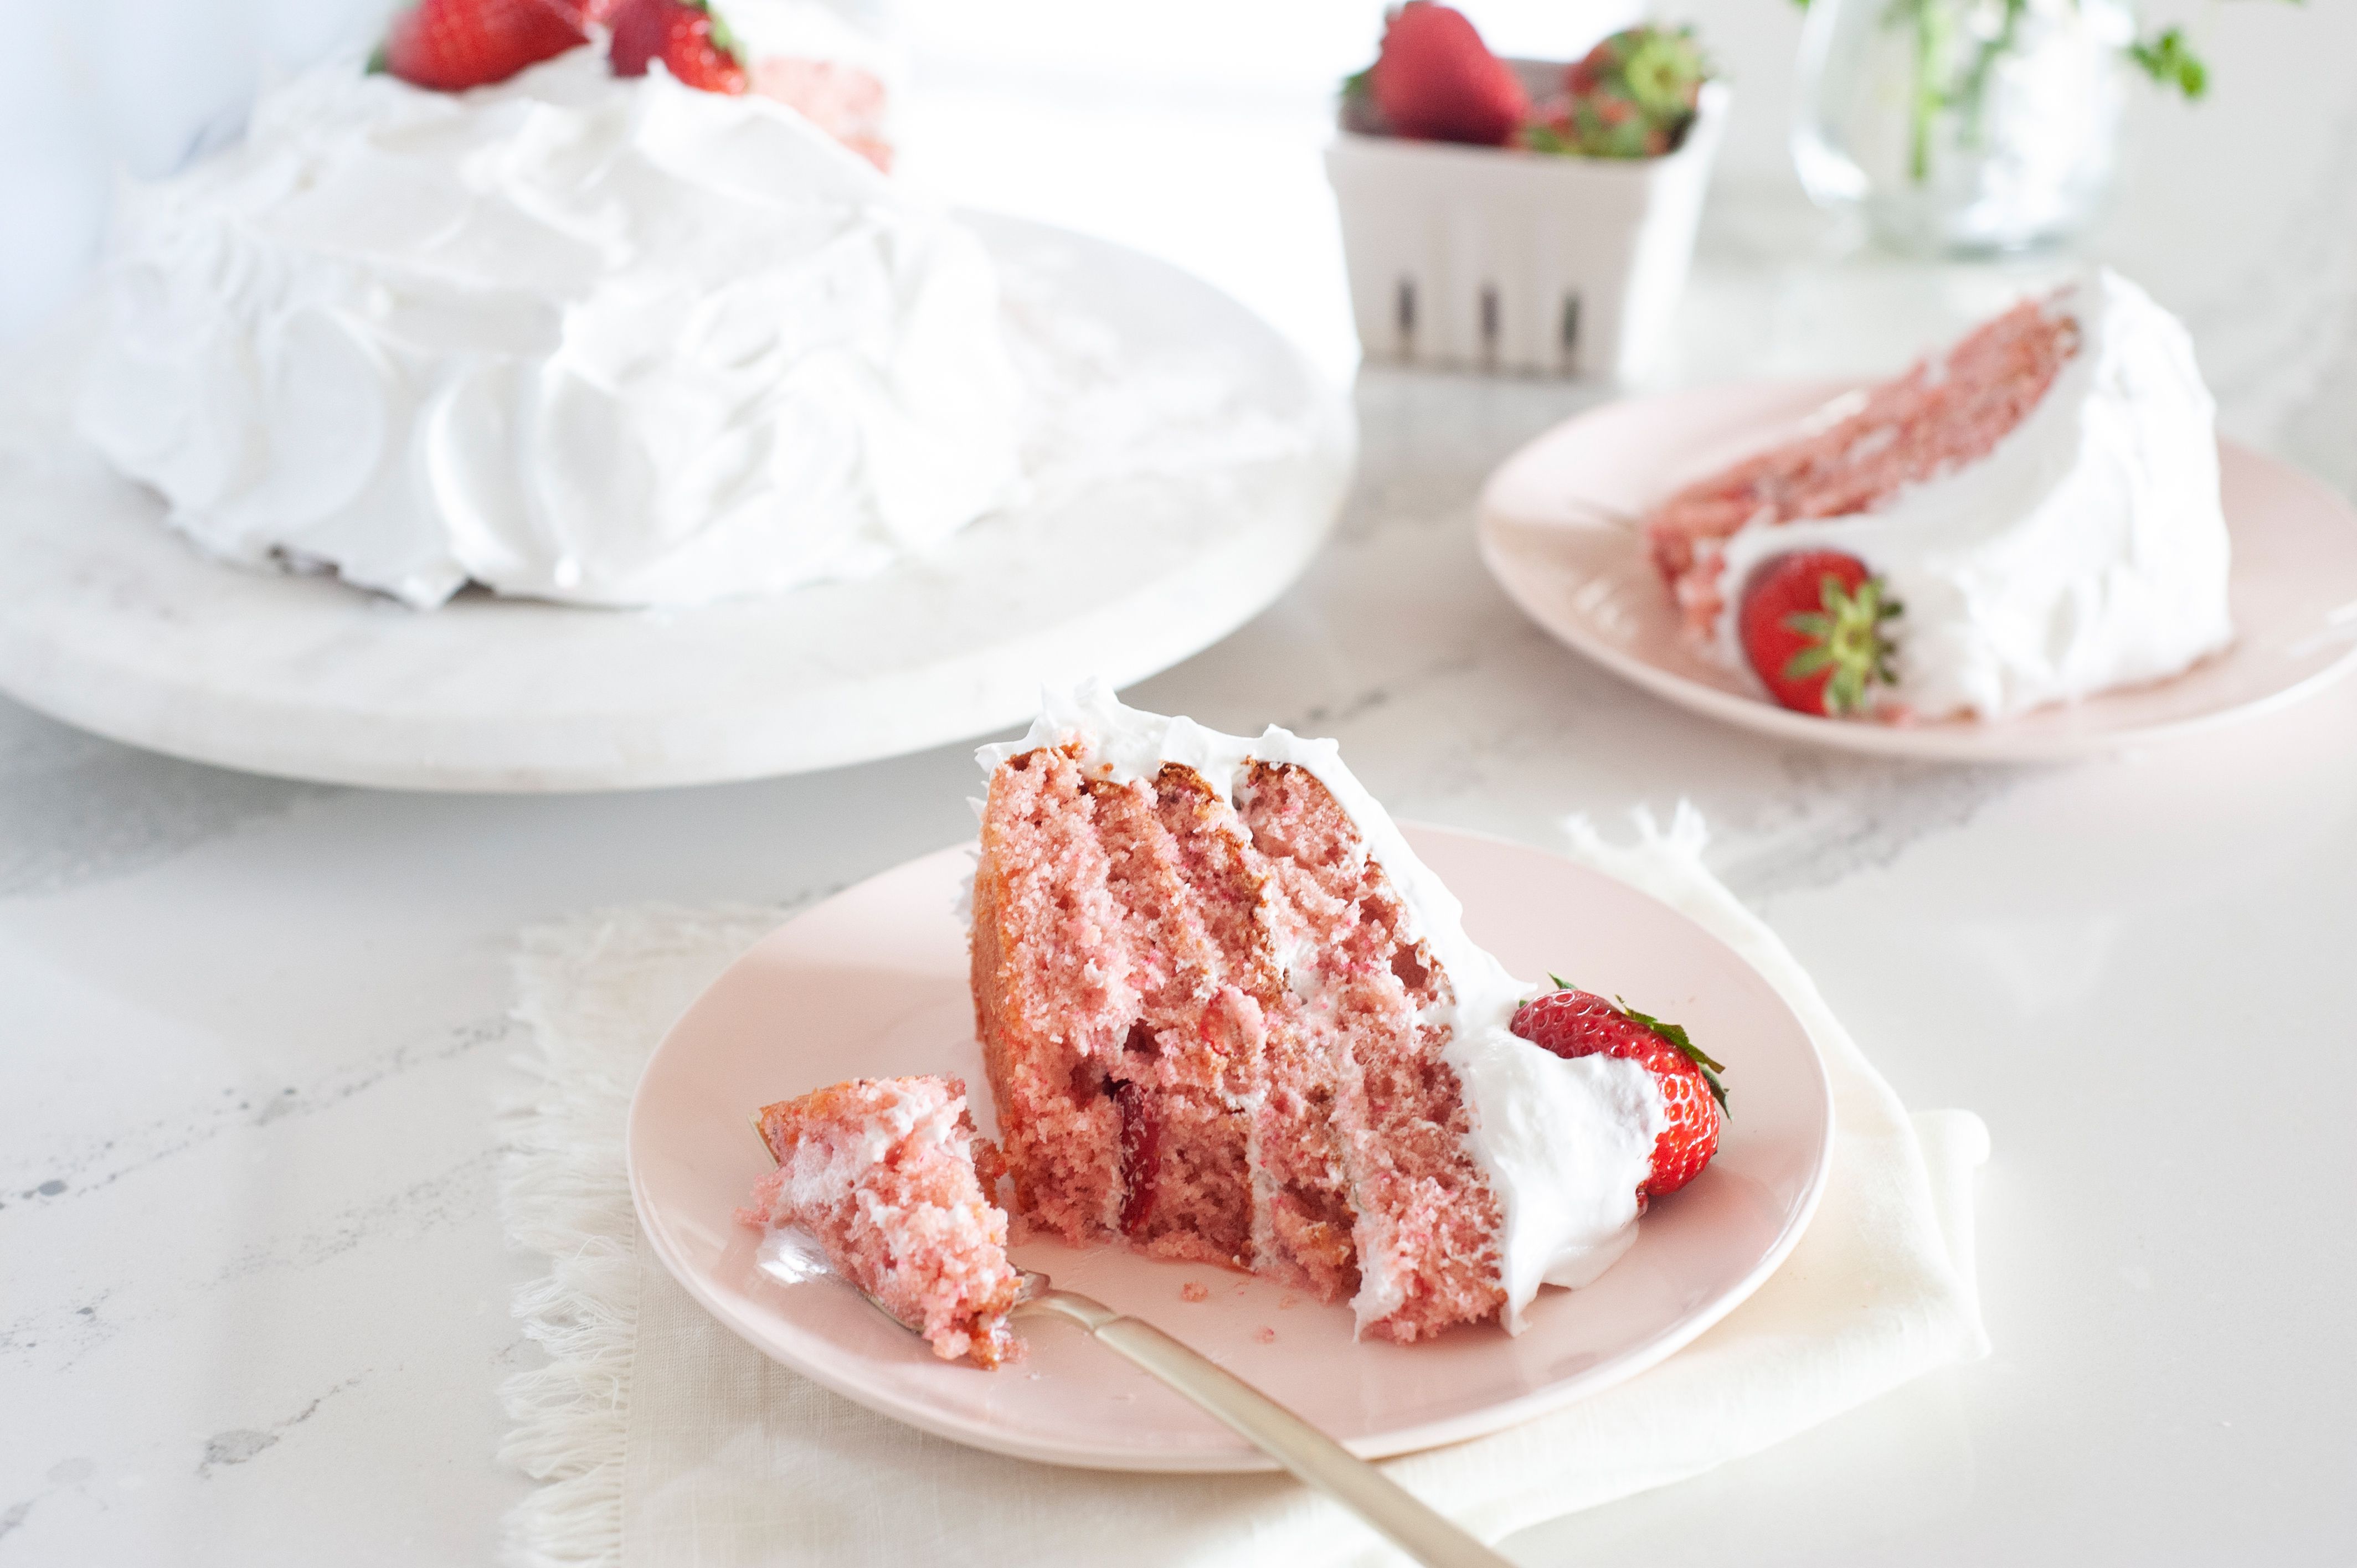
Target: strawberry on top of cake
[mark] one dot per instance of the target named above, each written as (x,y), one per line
(2032,517)
(797,52)
(889,1178)
(569,317)
(1228,1016)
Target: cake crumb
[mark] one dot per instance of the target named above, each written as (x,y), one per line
(1287,1299)
(1266,1335)
(1194,1291)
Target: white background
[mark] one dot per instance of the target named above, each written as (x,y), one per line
(1188,129)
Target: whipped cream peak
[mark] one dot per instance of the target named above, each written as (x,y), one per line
(1566,1144)
(572,336)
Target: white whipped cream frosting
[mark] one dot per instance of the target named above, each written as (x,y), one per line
(1566,1144)
(2086,551)
(604,341)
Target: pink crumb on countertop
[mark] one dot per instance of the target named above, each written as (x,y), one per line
(1266,1335)
(1194,1291)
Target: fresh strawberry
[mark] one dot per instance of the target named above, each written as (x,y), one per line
(1574,1024)
(1812,626)
(452,45)
(688,35)
(1435,78)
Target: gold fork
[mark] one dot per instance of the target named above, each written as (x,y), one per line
(1315,1458)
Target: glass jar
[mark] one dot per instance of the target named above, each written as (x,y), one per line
(1963,126)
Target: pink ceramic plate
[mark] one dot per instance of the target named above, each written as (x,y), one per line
(873,981)
(1557,533)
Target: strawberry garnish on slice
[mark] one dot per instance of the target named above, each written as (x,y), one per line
(688,35)
(452,45)
(1572,1024)
(1813,627)
(1435,78)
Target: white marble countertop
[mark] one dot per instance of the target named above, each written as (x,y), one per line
(252,1034)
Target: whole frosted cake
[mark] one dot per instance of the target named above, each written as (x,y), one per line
(599,338)
(2032,517)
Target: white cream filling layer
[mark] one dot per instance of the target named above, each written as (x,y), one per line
(2087,551)
(1564,1144)
(604,341)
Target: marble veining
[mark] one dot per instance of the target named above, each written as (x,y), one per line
(1835,821)
(243,1444)
(449,1196)
(75,809)
(100,1163)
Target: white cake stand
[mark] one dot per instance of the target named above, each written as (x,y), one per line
(111,621)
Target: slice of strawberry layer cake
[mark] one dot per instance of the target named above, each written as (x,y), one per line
(1228,1017)
(2032,517)
(889,1176)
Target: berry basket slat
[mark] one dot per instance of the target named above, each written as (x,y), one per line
(1502,259)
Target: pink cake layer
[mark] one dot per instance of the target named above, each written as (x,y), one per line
(1162,1079)
(1946,412)
(883,1174)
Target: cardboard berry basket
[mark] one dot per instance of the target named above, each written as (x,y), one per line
(1498,259)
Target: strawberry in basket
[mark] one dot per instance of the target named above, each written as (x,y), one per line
(1632,97)
(1436,81)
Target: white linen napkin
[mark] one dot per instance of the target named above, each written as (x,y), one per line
(662,1439)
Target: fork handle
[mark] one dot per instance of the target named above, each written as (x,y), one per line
(1310,1454)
